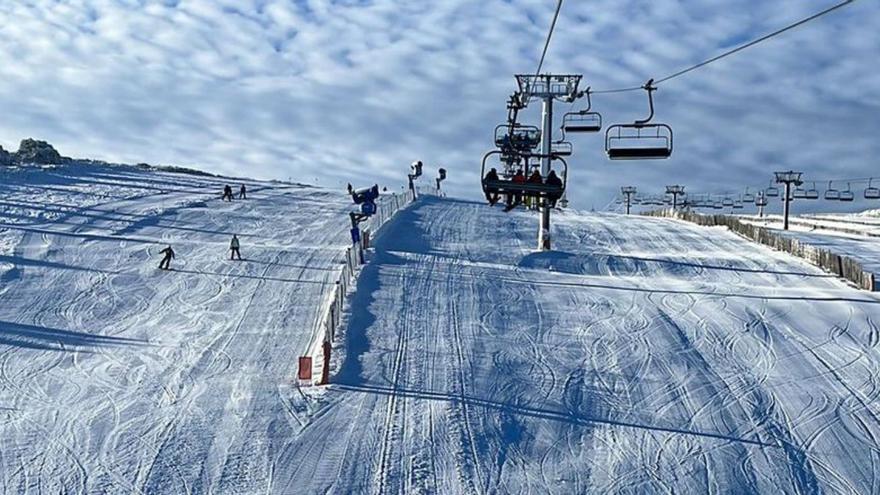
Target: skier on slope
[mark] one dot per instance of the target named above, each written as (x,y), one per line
(234,247)
(165,264)
(227,193)
(242,192)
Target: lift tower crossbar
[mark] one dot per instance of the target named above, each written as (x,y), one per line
(675,191)
(788,178)
(547,87)
(628,193)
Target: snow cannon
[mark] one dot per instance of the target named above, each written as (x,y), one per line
(416,169)
(365,195)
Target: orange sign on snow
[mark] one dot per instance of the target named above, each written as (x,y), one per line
(305,368)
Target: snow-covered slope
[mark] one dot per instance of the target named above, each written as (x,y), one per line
(116,377)
(644,355)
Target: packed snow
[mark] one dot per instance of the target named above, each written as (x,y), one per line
(856,236)
(116,377)
(641,355)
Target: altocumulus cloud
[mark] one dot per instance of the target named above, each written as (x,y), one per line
(332,91)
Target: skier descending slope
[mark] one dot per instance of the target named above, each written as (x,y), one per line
(165,264)
(234,246)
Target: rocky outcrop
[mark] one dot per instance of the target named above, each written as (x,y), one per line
(38,152)
(5,157)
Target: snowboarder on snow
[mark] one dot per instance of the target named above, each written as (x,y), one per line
(234,247)
(242,192)
(227,193)
(165,264)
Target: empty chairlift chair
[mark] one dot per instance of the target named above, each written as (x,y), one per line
(727,203)
(561,148)
(847,194)
(748,197)
(771,191)
(872,192)
(799,193)
(812,193)
(640,140)
(582,121)
(832,194)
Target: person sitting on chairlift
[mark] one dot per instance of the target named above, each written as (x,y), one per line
(491,192)
(514,200)
(535,178)
(553,180)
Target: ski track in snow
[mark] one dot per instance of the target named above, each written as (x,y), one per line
(641,356)
(116,377)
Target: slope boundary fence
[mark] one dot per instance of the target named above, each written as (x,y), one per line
(842,266)
(329,317)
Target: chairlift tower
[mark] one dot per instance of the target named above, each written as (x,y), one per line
(547,87)
(628,192)
(788,178)
(675,191)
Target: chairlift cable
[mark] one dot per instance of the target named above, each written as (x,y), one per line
(549,35)
(734,50)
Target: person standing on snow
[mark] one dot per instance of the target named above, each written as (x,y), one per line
(227,193)
(242,192)
(234,247)
(165,264)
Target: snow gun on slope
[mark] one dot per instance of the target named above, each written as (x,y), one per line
(366,198)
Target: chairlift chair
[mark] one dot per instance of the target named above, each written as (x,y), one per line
(760,200)
(518,137)
(738,204)
(508,186)
(799,193)
(832,194)
(640,140)
(771,191)
(718,205)
(583,120)
(812,193)
(872,192)
(748,197)
(847,194)
(561,148)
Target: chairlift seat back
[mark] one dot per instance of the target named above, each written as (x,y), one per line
(872,193)
(582,122)
(638,142)
(847,196)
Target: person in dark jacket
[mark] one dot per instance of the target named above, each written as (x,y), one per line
(491,192)
(165,264)
(234,247)
(227,193)
(554,180)
(242,192)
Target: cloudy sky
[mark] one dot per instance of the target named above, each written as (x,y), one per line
(330,91)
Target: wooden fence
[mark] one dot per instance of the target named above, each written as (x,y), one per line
(842,266)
